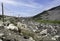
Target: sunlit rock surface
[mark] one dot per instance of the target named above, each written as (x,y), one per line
(24,30)
(12,27)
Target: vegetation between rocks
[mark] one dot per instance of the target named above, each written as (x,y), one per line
(48,21)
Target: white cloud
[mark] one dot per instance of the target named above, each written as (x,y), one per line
(12,2)
(32,5)
(37,6)
(8,2)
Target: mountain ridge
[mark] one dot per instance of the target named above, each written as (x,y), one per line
(51,14)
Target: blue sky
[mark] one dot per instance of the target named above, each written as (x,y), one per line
(27,8)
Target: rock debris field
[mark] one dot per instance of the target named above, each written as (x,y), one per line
(32,31)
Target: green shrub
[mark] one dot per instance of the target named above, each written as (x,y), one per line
(48,21)
(31,34)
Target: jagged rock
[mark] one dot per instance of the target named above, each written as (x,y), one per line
(1,40)
(43,31)
(1,23)
(22,26)
(55,37)
(1,34)
(31,39)
(12,27)
(6,23)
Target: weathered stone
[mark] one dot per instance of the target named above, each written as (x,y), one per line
(1,34)
(1,40)
(12,27)
(43,31)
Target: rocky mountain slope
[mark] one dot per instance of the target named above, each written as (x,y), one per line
(51,14)
(22,29)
